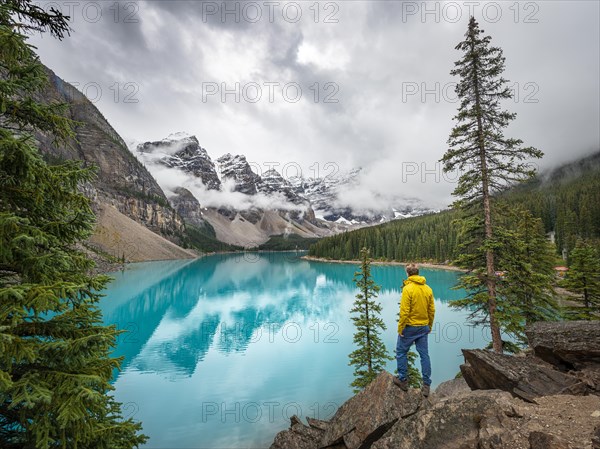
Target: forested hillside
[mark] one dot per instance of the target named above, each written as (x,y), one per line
(566,199)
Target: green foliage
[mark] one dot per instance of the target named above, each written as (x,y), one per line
(287,242)
(525,260)
(507,347)
(565,200)
(583,278)
(371,354)
(415,380)
(55,364)
(484,157)
(425,238)
(146,197)
(487,161)
(204,239)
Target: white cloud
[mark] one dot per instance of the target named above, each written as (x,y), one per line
(373,54)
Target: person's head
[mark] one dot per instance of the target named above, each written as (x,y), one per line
(412,269)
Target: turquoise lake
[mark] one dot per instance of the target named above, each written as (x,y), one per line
(222,350)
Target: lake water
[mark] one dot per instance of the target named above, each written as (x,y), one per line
(222,350)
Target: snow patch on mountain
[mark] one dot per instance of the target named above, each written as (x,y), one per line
(230,183)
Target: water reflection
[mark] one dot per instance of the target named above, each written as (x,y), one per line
(211,340)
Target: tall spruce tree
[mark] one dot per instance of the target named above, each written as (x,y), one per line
(55,363)
(583,278)
(486,159)
(371,354)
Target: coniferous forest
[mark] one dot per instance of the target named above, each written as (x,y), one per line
(566,200)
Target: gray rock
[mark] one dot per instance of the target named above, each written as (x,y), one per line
(450,388)
(298,436)
(567,345)
(364,418)
(185,153)
(187,206)
(253,215)
(238,169)
(317,423)
(543,440)
(122,181)
(524,377)
(596,438)
(591,377)
(272,182)
(454,423)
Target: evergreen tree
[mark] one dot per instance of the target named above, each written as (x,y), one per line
(371,354)
(526,264)
(415,380)
(487,160)
(563,202)
(55,363)
(583,278)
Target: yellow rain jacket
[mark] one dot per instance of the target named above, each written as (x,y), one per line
(416,305)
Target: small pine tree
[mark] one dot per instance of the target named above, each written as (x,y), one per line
(415,380)
(583,278)
(55,364)
(371,354)
(488,162)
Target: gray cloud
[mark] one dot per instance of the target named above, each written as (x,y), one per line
(376,55)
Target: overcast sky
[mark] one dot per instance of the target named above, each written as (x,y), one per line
(353,83)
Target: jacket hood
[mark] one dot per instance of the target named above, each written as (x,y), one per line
(416,279)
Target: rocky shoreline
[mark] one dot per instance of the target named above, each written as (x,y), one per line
(545,398)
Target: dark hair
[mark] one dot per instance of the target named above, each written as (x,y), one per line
(412,269)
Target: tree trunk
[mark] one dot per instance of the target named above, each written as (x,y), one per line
(490,279)
(369,361)
(586,302)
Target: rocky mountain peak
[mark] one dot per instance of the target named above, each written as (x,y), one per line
(273,182)
(237,168)
(183,151)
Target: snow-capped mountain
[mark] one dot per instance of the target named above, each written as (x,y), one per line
(266,204)
(272,181)
(322,192)
(183,151)
(237,169)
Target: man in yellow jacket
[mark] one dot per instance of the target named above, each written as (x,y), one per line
(416,321)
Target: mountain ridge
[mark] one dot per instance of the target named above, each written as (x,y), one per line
(305,199)
(122,182)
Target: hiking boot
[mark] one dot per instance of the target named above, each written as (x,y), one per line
(425,390)
(403,384)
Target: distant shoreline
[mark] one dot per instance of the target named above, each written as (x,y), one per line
(427,265)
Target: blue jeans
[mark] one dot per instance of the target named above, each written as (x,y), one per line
(418,336)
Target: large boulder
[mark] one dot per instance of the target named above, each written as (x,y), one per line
(359,422)
(300,436)
(567,345)
(479,420)
(524,377)
(365,417)
(453,387)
